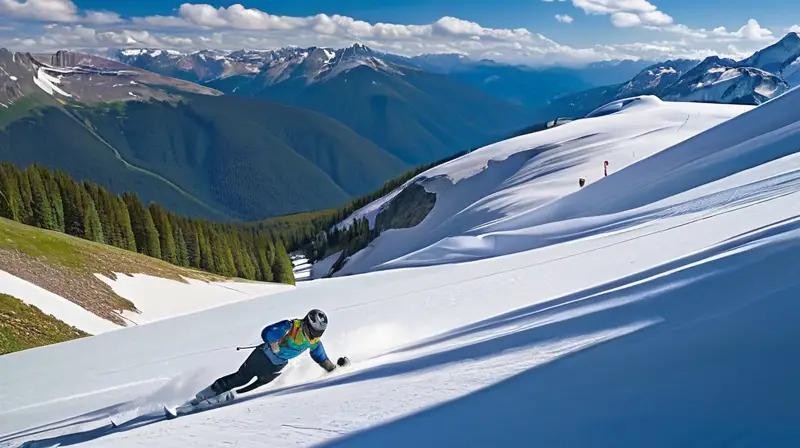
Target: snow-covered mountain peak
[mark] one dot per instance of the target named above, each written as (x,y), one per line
(790,41)
(68,75)
(658,76)
(149,52)
(778,58)
(715,62)
(312,63)
(723,80)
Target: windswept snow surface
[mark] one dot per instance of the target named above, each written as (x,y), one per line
(53,304)
(656,307)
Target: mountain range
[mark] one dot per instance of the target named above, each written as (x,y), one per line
(766,74)
(416,115)
(275,73)
(190,148)
(249,134)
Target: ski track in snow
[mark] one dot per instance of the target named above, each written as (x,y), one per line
(656,307)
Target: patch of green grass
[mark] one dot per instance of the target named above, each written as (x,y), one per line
(55,247)
(23,107)
(83,256)
(66,266)
(118,107)
(24,326)
(301,217)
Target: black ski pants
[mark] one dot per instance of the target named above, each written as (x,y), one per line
(256,365)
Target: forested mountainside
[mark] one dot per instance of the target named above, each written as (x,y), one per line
(51,200)
(204,154)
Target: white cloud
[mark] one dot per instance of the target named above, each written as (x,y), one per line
(752,31)
(252,28)
(102,17)
(612,6)
(53,11)
(79,36)
(196,26)
(564,18)
(643,14)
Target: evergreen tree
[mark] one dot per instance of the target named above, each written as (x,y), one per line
(10,199)
(206,250)
(127,238)
(222,254)
(193,245)
(165,232)
(108,219)
(72,205)
(182,250)
(42,210)
(152,242)
(144,230)
(92,229)
(26,217)
(54,196)
(282,268)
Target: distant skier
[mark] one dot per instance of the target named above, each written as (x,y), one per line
(283,341)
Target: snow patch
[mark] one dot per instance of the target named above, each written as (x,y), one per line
(48,83)
(53,304)
(160,298)
(134,52)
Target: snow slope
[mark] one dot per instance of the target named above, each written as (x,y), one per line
(477,194)
(656,307)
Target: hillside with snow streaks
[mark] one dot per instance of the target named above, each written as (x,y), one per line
(155,298)
(655,307)
(478,194)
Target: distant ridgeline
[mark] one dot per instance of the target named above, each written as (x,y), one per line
(52,200)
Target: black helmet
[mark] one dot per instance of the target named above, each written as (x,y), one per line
(315,323)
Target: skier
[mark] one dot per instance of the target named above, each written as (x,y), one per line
(283,341)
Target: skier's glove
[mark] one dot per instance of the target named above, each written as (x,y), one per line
(275,347)
(343,361)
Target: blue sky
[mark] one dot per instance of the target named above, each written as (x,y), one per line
(535,32)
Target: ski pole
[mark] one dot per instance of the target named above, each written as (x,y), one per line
(245,348)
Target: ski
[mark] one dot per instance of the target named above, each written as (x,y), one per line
(189,408)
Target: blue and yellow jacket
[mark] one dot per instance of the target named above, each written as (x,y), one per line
(292,341)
